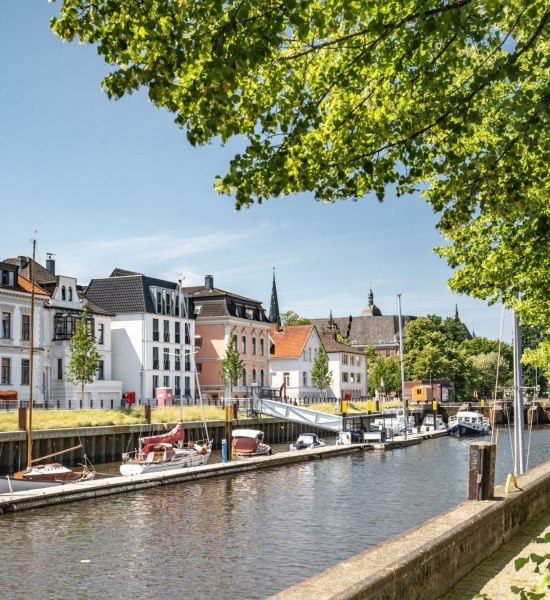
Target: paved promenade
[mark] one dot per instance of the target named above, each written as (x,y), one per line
(495,576)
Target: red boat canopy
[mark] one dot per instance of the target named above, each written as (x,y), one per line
(176,435)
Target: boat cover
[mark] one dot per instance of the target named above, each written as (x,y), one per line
(176,435)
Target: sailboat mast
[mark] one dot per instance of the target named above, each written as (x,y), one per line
(31,356)
(402,364)
(519,425)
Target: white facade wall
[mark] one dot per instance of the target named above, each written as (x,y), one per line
(133,344)
(296,367)
(350,367)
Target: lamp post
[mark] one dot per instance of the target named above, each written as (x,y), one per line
(405,416)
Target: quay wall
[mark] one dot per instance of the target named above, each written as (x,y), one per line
(106,444)
(425,562)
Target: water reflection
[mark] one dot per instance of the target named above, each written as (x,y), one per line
(245,536)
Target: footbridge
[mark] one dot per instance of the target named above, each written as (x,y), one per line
(316,418)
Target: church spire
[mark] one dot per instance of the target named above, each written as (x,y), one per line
(274,315)
(457,318)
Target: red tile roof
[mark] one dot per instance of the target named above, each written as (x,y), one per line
(26,285)
(290,341)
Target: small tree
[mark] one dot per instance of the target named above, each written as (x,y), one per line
(290,317)
(231,367)
(321,377)
(84,357)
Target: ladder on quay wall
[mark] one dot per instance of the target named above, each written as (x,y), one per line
(298,414)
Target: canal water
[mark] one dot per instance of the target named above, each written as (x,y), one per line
(246,536)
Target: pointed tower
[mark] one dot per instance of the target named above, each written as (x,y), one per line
(274,315)
(457,318)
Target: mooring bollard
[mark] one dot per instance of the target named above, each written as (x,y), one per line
(147,409)
(481,471)
(224,451)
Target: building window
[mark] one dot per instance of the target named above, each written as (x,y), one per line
(177,360)
(304,378)
(155,330)
(25,364)
(262,378)
(166,361)
(187,333)
(249,313)
(187,386)
(6,370)
(63,293)
(344,359)
(167,331)
(177,332)
(155,357)
(177,389)
(244,377)
(60,368)
(243,341)
(159,304)
(235,344)
(70,294)
(254,345)
(167,381)
(254,376)
(8,277)
(345,377)
(199,367)
(187,361)
(101,333)
(286,379)
(309,354)
(358,361)
(25,328)
(358,375)
(6,325)
(155,384)
(352,377)
(198,309)
(262,346)
(352,360)
(101,369)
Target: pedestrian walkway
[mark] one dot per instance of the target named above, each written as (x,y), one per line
(493,579)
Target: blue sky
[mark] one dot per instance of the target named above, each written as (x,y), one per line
(115,184)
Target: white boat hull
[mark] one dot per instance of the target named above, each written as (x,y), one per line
(131,468)
(9,485)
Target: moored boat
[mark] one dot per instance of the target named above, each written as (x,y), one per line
(468,422)
(247,443)
(165,452)
(307,440)
(428,424)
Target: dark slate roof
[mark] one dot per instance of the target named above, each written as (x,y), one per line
(369,330)
(220,303)
(331,345)
(125,293)
(41,275)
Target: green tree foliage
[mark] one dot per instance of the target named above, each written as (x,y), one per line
(321,376)
(346,98)
(484,374)
(535,344)
(342,340)
(387,370)
(83,355)
(290,317)
(231,365)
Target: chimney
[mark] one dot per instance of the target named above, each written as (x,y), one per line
(50,263)
(209,282)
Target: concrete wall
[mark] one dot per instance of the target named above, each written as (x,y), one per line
(428,560)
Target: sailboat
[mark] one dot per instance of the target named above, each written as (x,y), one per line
(167,451)
(40,474)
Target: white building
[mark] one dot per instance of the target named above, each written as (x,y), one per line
(349,369)
(293,352)
(58,307)
(152,333)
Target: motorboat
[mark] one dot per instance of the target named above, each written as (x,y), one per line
(428,424)
(165,452)
(468,422)
(307,440)
(247,443)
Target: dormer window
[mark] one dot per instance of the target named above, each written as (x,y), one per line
(63,293)
(249,313)
(198,309)
(70,294)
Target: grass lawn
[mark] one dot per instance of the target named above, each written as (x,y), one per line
(61,419)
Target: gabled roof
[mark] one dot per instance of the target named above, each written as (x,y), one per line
(331,345)
(289,341)
(42,276)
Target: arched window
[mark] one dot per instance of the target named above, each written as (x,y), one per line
(262,378)
(63,293)
(244,377)
(254,376)
(71,294)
